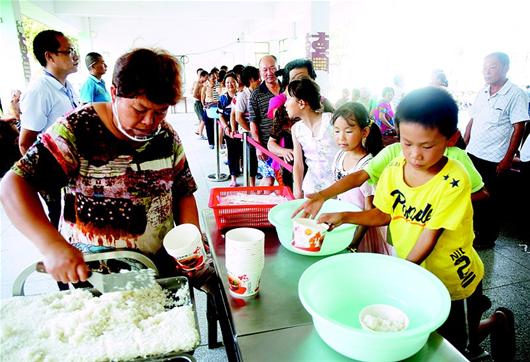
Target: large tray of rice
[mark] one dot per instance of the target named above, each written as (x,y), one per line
(79,325)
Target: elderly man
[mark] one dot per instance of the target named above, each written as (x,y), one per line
(260,123)
(48,98)
(493,136)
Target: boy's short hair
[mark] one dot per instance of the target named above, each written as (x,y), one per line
(431,107)
(152,73)
(238,68)
(45,41)
(203,73)
(249,73)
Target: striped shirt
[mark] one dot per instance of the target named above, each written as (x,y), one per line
(258,107)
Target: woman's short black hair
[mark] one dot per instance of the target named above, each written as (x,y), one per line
(432,107)
(153,73)
(229,74)
(296,64)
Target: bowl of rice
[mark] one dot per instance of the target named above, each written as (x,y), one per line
(383,318)
(399,303)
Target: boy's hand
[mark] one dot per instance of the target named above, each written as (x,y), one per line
(311,207)
(333,219)
(66,263)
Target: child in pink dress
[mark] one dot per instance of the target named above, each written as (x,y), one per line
(359,140)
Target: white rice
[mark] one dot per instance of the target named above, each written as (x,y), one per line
(380,324)
(76,326)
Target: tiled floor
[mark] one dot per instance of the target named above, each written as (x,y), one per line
(507,280)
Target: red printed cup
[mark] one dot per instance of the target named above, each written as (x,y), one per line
(244,284)
(184,244)
(308,235)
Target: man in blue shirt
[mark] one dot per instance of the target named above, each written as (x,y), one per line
(94,89)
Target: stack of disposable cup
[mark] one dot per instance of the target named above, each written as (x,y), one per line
(184,244)
(244,258)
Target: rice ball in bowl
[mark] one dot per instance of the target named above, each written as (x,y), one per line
(334,290)
(383,318)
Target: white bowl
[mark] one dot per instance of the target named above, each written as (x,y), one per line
(383,318)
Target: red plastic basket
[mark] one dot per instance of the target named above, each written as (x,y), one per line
(244,215)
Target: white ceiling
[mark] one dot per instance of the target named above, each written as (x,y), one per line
(184,11)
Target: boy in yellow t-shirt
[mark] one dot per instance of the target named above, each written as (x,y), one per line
(425,198)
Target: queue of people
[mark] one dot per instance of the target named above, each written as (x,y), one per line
(113,172)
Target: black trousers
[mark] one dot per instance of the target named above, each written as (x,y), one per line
(525,181)
(235,157)
(486,212)
(209,124)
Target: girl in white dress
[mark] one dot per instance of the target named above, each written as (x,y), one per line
(312,138)
(359,140)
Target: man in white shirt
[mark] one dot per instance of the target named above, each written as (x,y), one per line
(49,97)
(493,135)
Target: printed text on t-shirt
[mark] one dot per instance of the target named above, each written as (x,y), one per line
(411,213)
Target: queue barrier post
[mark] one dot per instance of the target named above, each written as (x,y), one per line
(212,112)
(246,160)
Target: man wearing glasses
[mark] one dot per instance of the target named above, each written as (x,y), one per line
(48,98)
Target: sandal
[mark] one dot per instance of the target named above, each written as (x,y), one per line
(502,337)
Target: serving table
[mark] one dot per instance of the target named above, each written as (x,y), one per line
(274,325)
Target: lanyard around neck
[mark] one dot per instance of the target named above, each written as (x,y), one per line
(65,89)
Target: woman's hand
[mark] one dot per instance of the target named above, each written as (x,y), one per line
(65,263)
(287,154)
(229,132)
(311,207)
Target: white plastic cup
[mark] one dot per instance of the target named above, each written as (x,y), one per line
(184,244)
(244,260)
(244,246)
(308,234)
(244,284)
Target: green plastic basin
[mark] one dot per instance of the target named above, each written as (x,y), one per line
(334,241)
(334,290)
